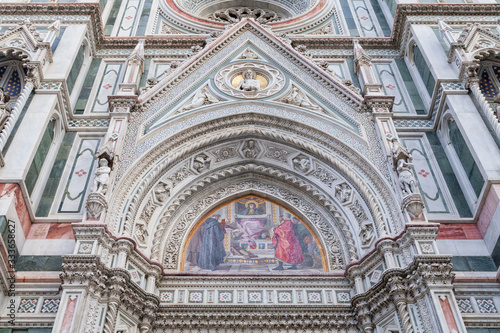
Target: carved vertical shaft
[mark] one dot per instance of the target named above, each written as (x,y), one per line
(404,315)
(111,315)
(16,111)
(485,108)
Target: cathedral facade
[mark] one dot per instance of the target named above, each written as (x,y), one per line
(250,166)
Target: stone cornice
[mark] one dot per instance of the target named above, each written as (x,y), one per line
(403,13)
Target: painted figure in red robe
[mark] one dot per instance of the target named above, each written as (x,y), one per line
(286,244)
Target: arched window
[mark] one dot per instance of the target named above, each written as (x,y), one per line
(12,76)
(489,79)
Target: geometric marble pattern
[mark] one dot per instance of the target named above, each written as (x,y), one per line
(314,297)
(284,297)
(27,305)
(195,296)
(343,296)
(50,305)
(465,305)
(167,296)
(486,305)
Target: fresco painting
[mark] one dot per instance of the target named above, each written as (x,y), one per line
(252,234)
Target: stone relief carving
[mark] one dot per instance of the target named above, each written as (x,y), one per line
(249,80)
(249,54)
(179,175)
(236,14)
(298,97)
(201,162)
(148,210)
(182,224)
(323,175)
(250,150)
(202,97)
(167,29)
(276,153)
(366,233)
(302,163)
(162,192)
(325,30)
(224,153)
(141,232)
(343,192)
(358,212)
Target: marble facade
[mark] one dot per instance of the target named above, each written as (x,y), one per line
(343,154)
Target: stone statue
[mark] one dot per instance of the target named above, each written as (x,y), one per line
(302,163)
(4,110)
(249,54)
(249,82)
(250,151)
(406,178)
(298,98)
(141,232)
(202,97)
(101,177)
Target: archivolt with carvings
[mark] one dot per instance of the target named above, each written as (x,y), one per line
(146,172)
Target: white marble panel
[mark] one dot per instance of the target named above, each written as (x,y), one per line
(462,247)
(107,87)
(48,247)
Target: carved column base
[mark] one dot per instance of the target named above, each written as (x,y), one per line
(414,205)
(96,204)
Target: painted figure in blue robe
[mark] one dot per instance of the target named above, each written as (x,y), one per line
(212,251)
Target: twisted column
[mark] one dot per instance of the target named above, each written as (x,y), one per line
(111,315)
(404,315)
(485,108)
(16,111)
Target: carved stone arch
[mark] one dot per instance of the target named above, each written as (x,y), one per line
(485,53)
(137,182)
(272,173)
(16,53)
(185,217)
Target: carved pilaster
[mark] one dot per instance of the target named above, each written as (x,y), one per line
(364,69)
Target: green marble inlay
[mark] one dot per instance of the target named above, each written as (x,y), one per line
(39,263)
(351,24)
(55,175)
(474,264)
(143,21)
(381,18)
(410,87)
(112,17)
(40,155)
(87,86)
(75,69)
(466,158)
(16,126)
(449,175)
(424,70)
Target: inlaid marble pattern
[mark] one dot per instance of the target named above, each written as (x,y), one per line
(80,176)
(108,86)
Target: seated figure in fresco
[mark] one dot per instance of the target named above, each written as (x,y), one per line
(212,251)
(251,224)
(286,244)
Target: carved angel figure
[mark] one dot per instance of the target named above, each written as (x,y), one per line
(298,98)
(406,178)
(101,179)
(249,83)
(202,97)
(162,192)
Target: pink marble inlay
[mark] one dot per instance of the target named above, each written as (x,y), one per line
(51,231)
(489,208)
(68,314)
(22,212)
